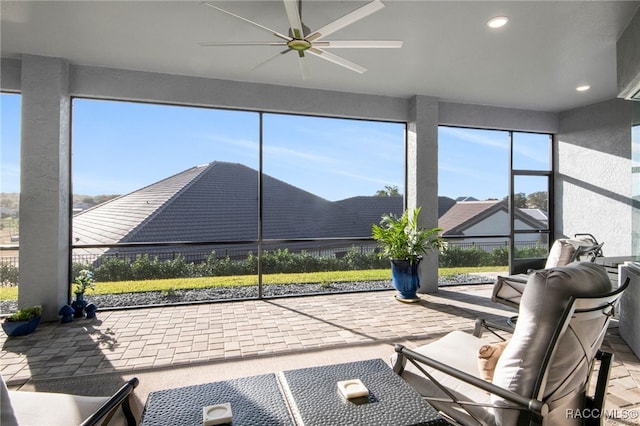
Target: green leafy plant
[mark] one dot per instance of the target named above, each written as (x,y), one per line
(26,314)
(168,293)
(402,239)
(83,281)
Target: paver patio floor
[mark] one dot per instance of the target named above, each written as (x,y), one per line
(179,345)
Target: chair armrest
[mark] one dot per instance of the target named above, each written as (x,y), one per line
(482,324)
(534,406)
(120,398)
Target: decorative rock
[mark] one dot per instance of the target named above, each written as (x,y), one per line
(106,301)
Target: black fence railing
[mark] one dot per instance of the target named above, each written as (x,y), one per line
(239,253)
(360,253)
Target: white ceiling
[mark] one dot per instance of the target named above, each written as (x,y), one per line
(535,62)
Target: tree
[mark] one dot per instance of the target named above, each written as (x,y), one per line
(99,199)
(520,200)
(538,200)
(388,191)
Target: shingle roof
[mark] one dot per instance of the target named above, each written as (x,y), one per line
(114,220)
(465,214)
(444,204)
(536,214)
(371,209)
(459,216)
(219,202)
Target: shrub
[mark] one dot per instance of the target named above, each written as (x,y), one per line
(8,274)
(499,256)
(532,252)
(355,260)
(278,261)
(114,269)
(456,256)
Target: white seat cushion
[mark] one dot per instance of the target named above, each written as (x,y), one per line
(561,253)
(52,409)
(458,350)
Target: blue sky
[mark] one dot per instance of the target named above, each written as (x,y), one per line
(9,143)
(119,147)
(477,161)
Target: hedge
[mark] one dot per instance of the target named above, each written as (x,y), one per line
(145,267)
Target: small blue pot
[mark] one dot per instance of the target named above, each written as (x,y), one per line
(405,278)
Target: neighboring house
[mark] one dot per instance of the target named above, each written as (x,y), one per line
(537,214)
(218,202)
(467,220)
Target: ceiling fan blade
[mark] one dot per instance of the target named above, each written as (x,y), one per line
(304,66)
(361,44)
(270,58)
(294,18)
(269,30)
(347,19)
(242,43)
(337,60)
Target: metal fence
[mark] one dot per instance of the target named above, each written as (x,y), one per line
(200,255)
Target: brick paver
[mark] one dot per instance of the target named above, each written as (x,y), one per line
(132,340)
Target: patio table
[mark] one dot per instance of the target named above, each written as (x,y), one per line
(304,397)
(255,400)
(315,400)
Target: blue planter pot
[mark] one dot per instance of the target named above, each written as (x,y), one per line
(405,279)
(78,305)
(20,328)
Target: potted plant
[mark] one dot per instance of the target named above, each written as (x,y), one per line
(81,283)
(23,322)
(404,243)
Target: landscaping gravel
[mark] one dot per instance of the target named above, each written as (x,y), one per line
(245,292)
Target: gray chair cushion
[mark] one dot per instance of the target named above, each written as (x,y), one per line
(544,300)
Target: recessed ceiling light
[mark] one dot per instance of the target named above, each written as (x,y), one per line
(497,22)
(583,88)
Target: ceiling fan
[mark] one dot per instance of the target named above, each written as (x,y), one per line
(301,40)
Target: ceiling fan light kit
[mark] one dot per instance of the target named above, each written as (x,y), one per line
(301,40)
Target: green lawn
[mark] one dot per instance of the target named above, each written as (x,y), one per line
(11,293)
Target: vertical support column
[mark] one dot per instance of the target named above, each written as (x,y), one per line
(422,176)
(44,185)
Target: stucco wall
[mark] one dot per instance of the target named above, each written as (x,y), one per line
(593,174)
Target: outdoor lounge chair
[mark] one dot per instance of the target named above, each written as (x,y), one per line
(542,375)
(583,247)
(51,409)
